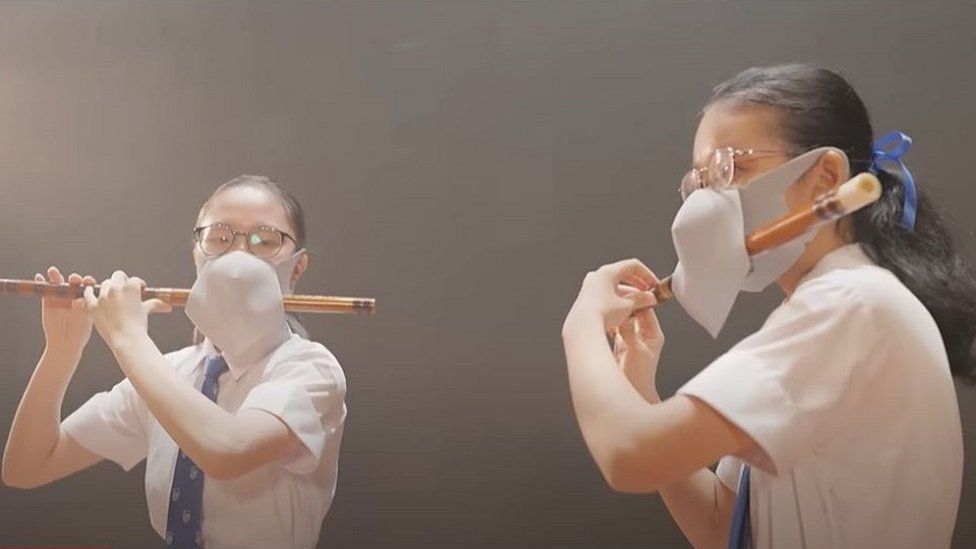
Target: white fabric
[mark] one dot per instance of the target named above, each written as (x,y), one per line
(282,268)
(847,393)
(709,233)
(710,242)
(280,505)
(764,201)
(236,303)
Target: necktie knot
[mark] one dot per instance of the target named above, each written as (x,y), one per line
(216,365)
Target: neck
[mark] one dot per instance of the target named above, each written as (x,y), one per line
(828,239)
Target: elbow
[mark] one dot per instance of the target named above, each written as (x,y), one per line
(628,472)
(221,467)
(225,460)
(222,470)
(18,479)
(21,484)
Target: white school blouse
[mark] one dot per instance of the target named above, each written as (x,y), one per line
(279,505)
(847,394)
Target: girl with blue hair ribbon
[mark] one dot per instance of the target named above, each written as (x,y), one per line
(836,424)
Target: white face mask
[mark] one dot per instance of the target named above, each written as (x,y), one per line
(709,233)
(236,302)
(283,268)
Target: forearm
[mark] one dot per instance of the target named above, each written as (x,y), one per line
(701,506)
(642,380)
(207,433)
(36,427)
(608,408)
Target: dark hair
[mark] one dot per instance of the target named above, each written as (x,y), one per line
(296,216)
(819,108)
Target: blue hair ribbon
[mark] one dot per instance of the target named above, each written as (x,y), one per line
(891,148)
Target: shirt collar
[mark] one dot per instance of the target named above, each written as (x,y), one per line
(236,368)
(848,256)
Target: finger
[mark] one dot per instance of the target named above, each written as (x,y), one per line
(74,279)
(633,281)
(644,318)
(156,306)
(78,304)
(634,272)
(626,287)
(119,278)
(54,275)
(138,281)
(89,281)
(39,278)
(641,300)
(89,296)
(105,288)
(628,332)
(617,342)
(624,290)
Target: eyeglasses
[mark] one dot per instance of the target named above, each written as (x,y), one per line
(263,242)
(718,172)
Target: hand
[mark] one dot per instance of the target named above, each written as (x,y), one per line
(66,324)
(637,348)
(605,294)
(119,311)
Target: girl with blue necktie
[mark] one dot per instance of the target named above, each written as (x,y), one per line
(836,424)
(241,430)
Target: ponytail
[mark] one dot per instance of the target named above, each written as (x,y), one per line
(926,262)
(818,107)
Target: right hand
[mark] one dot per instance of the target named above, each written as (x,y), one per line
(612,293)
(66,323)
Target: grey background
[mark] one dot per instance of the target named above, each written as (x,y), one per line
(464,162)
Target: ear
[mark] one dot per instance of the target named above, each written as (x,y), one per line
(832,169)
(299,269)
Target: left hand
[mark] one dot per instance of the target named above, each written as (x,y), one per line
(604,295)
(119,311)
(637,348)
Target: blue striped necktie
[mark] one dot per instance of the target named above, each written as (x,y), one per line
(186,497)
(740,534)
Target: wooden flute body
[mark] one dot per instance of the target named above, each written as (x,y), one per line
(177,297)
(849,197)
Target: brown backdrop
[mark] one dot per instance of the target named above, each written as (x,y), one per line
(464,162)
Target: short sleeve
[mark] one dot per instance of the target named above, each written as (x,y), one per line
(785,385)
(308,395)
(728,472)
(112,424)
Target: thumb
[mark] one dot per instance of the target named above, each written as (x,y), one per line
(642,300)
(156,306)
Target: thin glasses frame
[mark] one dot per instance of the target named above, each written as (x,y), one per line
(282,235)
(719,172)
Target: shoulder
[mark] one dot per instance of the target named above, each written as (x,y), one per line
(186,357)
(867,293)
(303,358)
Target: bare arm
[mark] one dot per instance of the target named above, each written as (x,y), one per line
(700,504)
(38,451)
(223,444)
(702,507)
(639,446)
(640,443)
